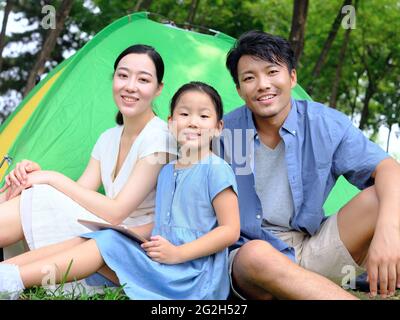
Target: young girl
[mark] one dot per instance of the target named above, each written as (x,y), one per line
(126,160)
(197,218)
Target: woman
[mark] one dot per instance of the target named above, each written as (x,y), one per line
(126,160)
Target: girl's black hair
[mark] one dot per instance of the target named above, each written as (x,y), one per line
(153,55)
(202,87)
(262,45)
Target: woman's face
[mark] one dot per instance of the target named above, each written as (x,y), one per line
(135,84)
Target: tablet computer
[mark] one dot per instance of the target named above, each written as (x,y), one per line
(96,226)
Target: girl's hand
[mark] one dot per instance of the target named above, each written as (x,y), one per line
(161,250)
(18,175)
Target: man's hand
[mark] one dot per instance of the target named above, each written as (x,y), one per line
(161,250)
(383,261)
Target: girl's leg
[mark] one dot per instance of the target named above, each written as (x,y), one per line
(86,259)
(109,274)
(10,222)
(44,252)
(38,254)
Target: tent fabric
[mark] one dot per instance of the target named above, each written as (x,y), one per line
(59,122)
(10,130)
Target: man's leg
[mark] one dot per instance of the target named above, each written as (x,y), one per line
(261,272)
(356,223)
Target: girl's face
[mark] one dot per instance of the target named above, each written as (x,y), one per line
(135,84)
(194,121)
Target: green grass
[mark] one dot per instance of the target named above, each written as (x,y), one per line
(117,293)
(365,296)
(78,293)
(39,293)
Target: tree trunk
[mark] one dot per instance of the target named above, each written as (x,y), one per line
(146,5)
(7,11)
(192,11)
(388,138)
(373,81)
(327,45)
(49,44)
(299,18)
(142,5)
(338,74)
(137,6)
(354,104)
(365,111)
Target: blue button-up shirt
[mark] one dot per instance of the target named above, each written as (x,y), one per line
(321,144)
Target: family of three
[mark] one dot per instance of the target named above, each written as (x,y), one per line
(187,187)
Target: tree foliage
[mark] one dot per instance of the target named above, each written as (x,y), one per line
(359,72)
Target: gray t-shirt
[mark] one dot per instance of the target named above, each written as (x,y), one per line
(272,187)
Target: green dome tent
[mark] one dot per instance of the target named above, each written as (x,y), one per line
(58,123)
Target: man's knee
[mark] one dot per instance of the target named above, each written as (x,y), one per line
(362,208)
(369,199)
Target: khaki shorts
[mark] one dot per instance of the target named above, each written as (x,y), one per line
(323,253)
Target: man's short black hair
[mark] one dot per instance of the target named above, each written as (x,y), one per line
(262,45)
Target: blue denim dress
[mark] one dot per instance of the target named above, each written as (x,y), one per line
(184,213)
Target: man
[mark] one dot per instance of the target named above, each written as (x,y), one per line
(294,152)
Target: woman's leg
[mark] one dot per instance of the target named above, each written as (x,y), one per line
(44,252)
(85,257)
(3,197)
(10,222)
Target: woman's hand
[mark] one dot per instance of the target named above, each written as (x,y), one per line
(161,250)
(14,191)
(18,175)
(36,177)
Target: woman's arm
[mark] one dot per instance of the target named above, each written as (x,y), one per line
(141,181)
(16,179)
(91,177)
(227,233)
(144,230)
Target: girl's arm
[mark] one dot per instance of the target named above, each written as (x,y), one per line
(141,181)
(227,233)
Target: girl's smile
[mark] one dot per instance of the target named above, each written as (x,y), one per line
(194,120)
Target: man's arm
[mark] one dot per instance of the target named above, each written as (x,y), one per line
(383,262)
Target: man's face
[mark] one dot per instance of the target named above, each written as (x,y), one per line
(265,86)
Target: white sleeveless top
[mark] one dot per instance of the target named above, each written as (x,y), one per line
(154,137)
